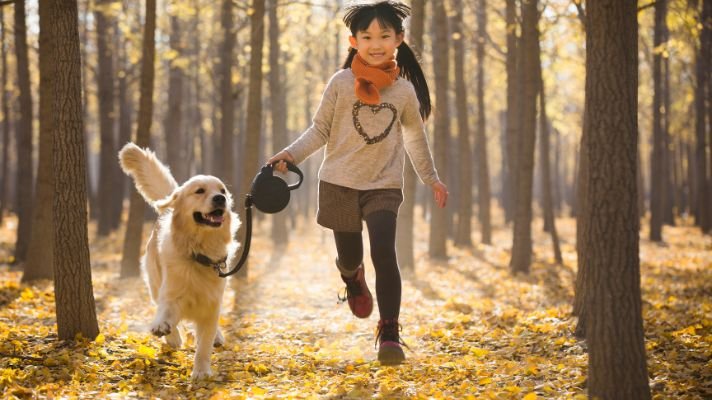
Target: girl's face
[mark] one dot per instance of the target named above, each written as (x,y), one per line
(377,44)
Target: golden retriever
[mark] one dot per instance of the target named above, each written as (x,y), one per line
(192,240)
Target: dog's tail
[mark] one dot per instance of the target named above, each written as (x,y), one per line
(152,178)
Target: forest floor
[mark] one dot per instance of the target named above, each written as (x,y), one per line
(473,330)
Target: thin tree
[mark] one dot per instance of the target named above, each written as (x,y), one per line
(483,178)
(522,237)
(404,228)
(174,132)
(703,214)
(544,156)
(254,103)
(105,75)
(463,233)
(659,170)
(74,298)
(40,261)
(610,243)
(439,218)
(134,226)
(23,131)
(227,102)
(5,168)
(278,100)
(513,117)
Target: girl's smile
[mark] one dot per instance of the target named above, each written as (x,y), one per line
(377,44)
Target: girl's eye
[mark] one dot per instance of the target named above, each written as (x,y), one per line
(200,191)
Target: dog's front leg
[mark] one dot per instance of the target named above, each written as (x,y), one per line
(165,321)
(205,331)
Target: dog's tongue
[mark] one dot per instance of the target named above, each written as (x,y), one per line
(216,219)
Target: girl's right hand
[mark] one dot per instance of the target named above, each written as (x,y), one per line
(277,161)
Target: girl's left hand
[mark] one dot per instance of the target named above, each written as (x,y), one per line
(440,192)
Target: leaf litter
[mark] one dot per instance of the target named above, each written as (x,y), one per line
(474,330)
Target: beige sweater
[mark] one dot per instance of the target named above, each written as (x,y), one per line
(365,144)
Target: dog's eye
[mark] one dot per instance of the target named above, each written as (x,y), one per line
(200,191)
(222,191)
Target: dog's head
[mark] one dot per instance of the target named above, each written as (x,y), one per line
(203,199)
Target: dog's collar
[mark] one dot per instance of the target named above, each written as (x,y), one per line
(219,266)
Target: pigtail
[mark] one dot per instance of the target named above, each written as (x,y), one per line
(349,58)
(410,69)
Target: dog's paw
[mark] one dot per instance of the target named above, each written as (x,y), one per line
(173,339)
(200,373)
(161,329)
(219,339)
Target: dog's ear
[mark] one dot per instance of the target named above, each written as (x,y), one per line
(166,203)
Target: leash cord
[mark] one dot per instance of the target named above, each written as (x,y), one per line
(248,239)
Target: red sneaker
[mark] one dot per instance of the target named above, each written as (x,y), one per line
(389,342)
(357,294)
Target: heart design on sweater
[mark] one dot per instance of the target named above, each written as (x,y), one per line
(375,109)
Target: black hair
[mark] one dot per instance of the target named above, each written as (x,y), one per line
(390,14)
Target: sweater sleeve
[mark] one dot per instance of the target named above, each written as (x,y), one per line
(416,141)
(317,135)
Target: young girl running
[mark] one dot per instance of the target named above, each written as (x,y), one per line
(371,111)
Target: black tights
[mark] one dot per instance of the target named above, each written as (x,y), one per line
(382,234)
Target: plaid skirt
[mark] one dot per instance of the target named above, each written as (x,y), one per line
(342,209)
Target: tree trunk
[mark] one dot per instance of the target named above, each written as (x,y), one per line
(134,226)
(703,216)
(658,173)
(544,153)
(254,104)
(74,298)
(463,235)
(483,179)
(278,98)
(125,117)
(513,117)
(227,103)
(406,214)
(107,111)
(522,237)
(174,132)
(609,248)
(438,224)
(39,262)
(25,180)
(5,171)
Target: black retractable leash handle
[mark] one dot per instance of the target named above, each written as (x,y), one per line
(269,194)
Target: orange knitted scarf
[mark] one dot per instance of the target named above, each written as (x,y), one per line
(371,78)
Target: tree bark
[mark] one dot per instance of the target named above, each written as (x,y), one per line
(659,171)
(254,104)
(522,237)
(438,224)
(25,177)
(406,214)
(134,227)
(74,298)
(483,179)
(40,261)
(278,97)
(463,234)
(609,242)
(125,118)
(107,111)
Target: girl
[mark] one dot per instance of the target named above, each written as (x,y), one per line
(371,111)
